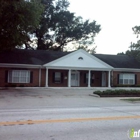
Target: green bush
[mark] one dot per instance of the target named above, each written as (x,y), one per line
(119,85)
(118,93)
(98,92)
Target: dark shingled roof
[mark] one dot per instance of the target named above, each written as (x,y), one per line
(33,57)
(119,61)
(40,57)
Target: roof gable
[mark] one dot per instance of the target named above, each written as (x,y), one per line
(80,59)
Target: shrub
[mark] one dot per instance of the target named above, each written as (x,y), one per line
(118,93)
(98,92)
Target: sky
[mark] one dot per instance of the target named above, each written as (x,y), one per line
(116,17)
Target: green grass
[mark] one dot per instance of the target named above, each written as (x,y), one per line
(132,100)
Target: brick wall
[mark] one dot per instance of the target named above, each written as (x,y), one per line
(4,81)
(64,82)
(43,77)
(97,82)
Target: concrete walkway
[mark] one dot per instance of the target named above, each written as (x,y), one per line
(56,98)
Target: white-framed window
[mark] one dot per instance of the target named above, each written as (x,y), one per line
(57,77)
(127,79)
(19,76)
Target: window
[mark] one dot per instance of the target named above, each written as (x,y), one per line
(80,58)
(19,76)
(57,77)
(127,79)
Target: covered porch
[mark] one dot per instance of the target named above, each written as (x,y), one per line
(78,69)
(77,78)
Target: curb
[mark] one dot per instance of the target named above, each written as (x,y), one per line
(94,95)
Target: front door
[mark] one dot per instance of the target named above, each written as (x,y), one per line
(75,79)
(103,79)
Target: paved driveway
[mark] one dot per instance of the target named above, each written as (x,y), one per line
(51,98)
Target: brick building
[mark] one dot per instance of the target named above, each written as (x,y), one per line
(39,68)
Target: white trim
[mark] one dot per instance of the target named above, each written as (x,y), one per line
(109,79)
(46,77)
(81,68)
(112,78)
(89,77)
(126,69)
(69,78)
(80,50)
(20,65)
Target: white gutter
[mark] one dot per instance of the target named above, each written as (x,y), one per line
(126,69)
(20,65)
(78,68)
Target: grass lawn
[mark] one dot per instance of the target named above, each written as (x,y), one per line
(132,100)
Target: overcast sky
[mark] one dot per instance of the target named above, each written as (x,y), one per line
(116,17)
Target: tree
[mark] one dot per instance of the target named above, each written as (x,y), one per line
(48,24)
(58,27)
(134,47)
(18,18)
(87,49)
(122,53)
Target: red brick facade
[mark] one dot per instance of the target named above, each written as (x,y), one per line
(96,80)
(4,77)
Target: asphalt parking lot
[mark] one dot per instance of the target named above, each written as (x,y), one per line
(51,98)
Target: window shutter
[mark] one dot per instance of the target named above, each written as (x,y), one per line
(118,77)
(85,78)
(6,76)
(31,77)
(135,79)
(61,77)
(53,77)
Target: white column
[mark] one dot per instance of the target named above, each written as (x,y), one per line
(47,77)
(89,78)
(69,78)
(109,79)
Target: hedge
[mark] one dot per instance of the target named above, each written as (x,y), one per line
(118,93)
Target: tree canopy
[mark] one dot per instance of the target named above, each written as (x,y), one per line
(49,21)
(18,18)
(134,47)
(59,26)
